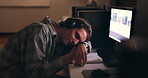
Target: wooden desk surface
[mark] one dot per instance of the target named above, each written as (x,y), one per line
(76,72)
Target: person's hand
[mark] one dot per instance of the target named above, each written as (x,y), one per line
(80,55)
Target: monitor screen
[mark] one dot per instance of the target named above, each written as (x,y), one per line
(120,23)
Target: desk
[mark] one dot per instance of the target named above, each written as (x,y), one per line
(76,72)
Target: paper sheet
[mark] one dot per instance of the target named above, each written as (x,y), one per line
(93,57)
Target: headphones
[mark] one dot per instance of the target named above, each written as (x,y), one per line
(74,23)
(77,23)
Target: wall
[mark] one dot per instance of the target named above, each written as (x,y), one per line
(14,19)
(141,24)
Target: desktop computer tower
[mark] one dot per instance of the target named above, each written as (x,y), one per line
(99,20)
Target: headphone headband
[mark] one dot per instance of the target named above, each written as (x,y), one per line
(74,23)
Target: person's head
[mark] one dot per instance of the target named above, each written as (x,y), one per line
(77,30)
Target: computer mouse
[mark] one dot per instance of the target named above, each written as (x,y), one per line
(99,73)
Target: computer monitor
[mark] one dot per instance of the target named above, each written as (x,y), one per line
(121,20)
(120,30)
(99,20)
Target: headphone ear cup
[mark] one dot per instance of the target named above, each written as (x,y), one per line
(70,26)
(69,23)
(65,24)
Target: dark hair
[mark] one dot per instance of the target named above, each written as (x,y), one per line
(77,23)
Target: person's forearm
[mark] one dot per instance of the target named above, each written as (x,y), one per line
(68,58)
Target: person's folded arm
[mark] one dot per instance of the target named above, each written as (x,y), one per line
(36,64)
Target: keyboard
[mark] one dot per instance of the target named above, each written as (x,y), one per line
(110,61)
(109,57)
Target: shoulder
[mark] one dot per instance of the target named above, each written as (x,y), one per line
(38,27)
